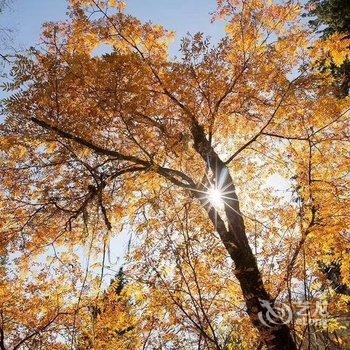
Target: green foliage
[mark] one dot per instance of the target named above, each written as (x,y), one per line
(331,16)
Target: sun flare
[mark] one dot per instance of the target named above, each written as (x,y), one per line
(215,196)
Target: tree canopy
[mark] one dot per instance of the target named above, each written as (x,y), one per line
(228,168)
(332,14)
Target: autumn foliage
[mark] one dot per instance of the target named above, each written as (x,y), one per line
(98,146)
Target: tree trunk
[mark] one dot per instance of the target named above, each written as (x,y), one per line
(276,336)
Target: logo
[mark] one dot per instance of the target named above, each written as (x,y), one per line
(278,315)
(304,311)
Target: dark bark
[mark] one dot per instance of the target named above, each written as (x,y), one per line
(2,340)
(2,332)
(333,274)
(236,243)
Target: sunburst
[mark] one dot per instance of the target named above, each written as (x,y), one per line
(217,194)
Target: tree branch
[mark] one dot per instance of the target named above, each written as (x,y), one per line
(170,174)
(265,125)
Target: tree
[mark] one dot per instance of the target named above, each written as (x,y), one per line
(334,14)
(32,310)
(110,321)
(332,17)
(181,150)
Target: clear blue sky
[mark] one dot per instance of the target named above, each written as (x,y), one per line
(181,16)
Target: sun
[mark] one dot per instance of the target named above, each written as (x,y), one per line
(215,196)
(218,195)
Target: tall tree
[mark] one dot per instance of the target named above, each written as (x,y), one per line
(91,142)
(332,17)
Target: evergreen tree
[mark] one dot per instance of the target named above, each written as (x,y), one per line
(333,17)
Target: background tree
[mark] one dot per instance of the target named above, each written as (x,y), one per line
(110,321)
(332,17)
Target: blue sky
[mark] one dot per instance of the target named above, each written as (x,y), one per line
(182,16)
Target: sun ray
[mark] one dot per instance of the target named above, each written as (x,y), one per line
(215,196)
